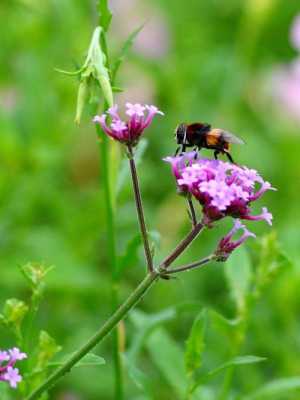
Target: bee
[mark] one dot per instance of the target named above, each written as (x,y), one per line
(201,135)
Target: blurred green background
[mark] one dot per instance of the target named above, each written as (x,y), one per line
(196,60)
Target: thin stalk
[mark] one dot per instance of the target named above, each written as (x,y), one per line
(120,313)
(140,211)
(112,258)
(190,266)
(192,211)
(182,246)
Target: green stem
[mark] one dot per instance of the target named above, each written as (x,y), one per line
(120,313)
(190,266)
(111,247)
(140,210)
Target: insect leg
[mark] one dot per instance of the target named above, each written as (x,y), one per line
(177,151)
(229,157)
(216,152)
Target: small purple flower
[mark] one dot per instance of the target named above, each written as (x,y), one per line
(295,33)
(12,376)
(16,354)
(3,356)
(223,189)
(128,132)
(7,371)
(226,245)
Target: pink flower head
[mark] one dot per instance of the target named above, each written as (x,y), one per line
(16,354)
(226,245)
(223,189)
(12,376)
(128,132)
(295,33)
(7,371)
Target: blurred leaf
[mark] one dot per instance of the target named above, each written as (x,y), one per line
(14,311)
(276,388)
(195,344)
(105,14)
(145,323)
(89,360)
(124,167)
(35,273)
(240,360)
(271,260)
(139,378)
(238,274)
(124,50)
(130,257)
(47,348)
(168,357)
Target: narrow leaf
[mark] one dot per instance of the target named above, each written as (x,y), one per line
(168,357)
(195,344)
(238,274)
(88,360)
(124,50)
(240,360)
(105,14)
(275,389)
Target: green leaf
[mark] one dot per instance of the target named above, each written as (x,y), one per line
(129,258)
(272,260)
(238,274)
(124,167)
(47,348)
(124,50)
(275,389)
(145,324)
(35,273)
(168,357)
(240,360)
(14,311)
(195,344)
(89,360)
(105,14)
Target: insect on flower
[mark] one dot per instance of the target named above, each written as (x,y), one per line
(200,135)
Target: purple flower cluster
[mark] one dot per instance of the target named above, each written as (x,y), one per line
(226,245)
(8,360)
(127,132)
(223,189)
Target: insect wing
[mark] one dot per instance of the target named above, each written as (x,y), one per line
(231,138)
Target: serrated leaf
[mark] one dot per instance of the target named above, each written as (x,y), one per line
(168,358)
(276,388)
(124,50)
(124,167)
(105,14)
(89,360)
(195,344)
(238,274)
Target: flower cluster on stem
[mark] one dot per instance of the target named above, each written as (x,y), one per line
(8,359)
(222,189)
(127,132)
